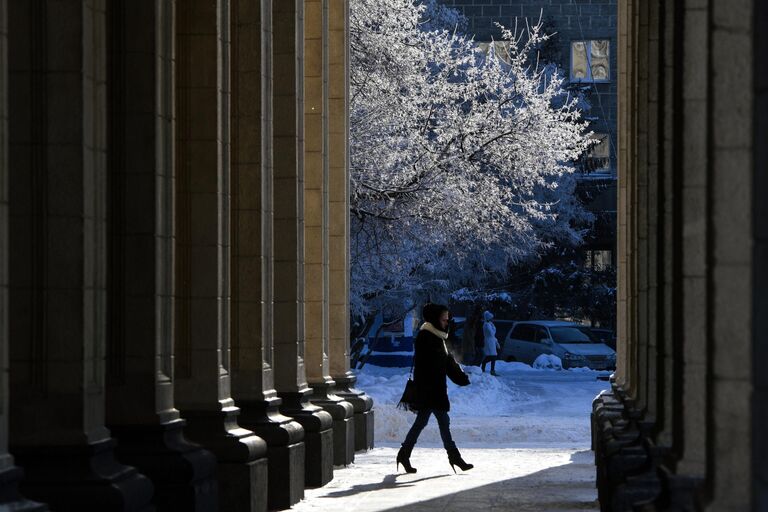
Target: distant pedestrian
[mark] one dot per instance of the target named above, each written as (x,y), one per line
(431,365)
(490,343)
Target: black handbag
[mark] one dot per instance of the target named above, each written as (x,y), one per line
(408,399)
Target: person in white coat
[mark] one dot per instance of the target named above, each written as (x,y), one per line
(490,343)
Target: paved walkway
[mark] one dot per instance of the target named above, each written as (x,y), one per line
(512,479)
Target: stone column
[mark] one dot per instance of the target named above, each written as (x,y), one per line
(624,140)
(289,345)
(691,361)
(140,403)
(338,195)
(759,447)
(252,325)
(57,322)
(202,362)
(316,230)
(10,475)
(731,420)
(640,212)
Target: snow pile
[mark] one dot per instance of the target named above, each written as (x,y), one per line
(522,406)
(548,362)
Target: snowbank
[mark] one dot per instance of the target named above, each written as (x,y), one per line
(548,361)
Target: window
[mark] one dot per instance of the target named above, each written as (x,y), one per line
(590,61)
(524,332)
(598,158)
(570,335)
(499,48)
(541,334)
(598,260)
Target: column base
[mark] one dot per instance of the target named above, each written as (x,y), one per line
(184,474)
(343,414)
(680,492)
(363,405)
(10,498)
(318,436)
(84,476)
(285,449)
(242,457)
(243,485)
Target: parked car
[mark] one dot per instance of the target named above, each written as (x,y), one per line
(606,336)
(566,340)
(502,327)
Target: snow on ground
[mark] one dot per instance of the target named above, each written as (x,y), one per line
(522,407)
(526,431)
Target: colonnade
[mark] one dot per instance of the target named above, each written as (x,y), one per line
(173,254)
(681,428)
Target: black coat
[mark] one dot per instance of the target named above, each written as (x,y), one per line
(431,365)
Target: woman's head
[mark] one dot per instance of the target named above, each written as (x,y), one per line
(436,314)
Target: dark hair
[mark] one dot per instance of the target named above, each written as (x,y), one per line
(432,312)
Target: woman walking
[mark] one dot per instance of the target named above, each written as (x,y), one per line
(491,344)
(431,365)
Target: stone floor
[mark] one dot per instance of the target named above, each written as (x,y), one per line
(512,479)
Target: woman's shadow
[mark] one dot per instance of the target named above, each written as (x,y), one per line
(389,482)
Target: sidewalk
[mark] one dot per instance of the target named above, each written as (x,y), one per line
(513,479)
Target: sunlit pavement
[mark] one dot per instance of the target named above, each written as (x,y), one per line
(515,479)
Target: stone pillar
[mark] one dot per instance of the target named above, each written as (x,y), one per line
(731,147)
(10,475)
(760,254)
(691,361)
(338,195)
(140,403)
(316,230)
(58,151)
(202,356)
(624,139)
(252,327)
(289,344)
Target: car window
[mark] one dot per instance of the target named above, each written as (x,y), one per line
(541,334)
(523,332)
(502,328)
(591,333)
(569,335)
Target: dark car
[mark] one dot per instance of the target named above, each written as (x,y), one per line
(606,336)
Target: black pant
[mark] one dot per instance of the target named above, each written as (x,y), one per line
(492,359)
(422,418)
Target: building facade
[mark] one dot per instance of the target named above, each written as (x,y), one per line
(583,45)
(173,254)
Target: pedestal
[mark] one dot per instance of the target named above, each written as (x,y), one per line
(318,437)
(10,498)
(82,477)
(363,407)
(342,413)
(242,458)
(285,449)
(183,473)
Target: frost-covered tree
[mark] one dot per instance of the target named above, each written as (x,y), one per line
(461,158)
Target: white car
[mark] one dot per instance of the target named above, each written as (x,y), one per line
(567,340)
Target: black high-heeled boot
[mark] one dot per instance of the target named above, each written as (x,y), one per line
(404,458)
(454,458)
